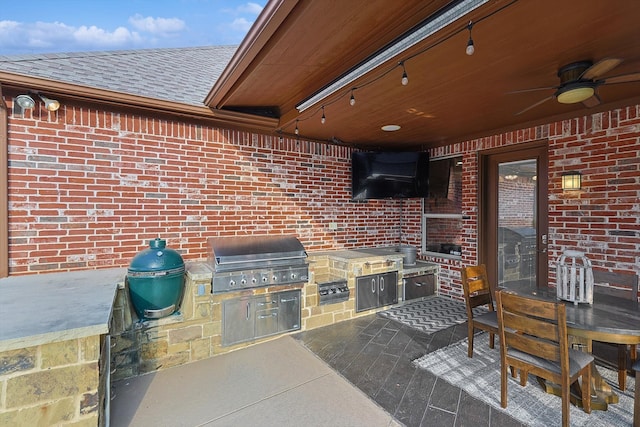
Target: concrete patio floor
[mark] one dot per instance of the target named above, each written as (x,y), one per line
(275,383)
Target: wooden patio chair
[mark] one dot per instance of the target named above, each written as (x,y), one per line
(622,285)
(477,292)
(533,340)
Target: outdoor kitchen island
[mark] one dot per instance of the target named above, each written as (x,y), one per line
(65,337)
(54,347)
(197,330)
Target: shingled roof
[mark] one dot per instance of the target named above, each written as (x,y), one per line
(183,75)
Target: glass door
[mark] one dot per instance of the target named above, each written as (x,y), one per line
(517,225)
(514,216)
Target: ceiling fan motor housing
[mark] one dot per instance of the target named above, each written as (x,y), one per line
(573,71)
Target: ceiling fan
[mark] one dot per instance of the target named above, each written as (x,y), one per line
(579,81)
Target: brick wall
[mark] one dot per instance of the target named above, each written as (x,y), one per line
(88,188)
(603,219)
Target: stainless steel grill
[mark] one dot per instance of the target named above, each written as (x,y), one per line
(242,262)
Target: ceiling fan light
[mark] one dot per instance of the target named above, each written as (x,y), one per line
(573,95)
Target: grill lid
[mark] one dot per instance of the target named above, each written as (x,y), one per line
(250,252)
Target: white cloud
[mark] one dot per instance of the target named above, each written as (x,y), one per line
(94,36)
(50,36)
(157,26)
(241,25)
(251,8)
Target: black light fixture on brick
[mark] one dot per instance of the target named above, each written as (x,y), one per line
(571,180)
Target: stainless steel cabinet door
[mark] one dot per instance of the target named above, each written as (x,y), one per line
(237,320)
(289,311)
(366,292)
(388,288)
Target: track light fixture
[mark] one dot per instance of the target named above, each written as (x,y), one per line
(49,104)
(405,78)
(470,47)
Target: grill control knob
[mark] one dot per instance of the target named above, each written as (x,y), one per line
(243,281)
(265,279)
(232,282)
(254,280)
(274,278)
(293,276)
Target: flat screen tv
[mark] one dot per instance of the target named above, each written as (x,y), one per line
(389,175)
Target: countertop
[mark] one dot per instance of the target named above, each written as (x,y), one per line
(45,308)
(390,252)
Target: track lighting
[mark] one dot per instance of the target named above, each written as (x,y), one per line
(49,104)
(323,119)
(25,102)
(405,78)
(470,47)
(352,100)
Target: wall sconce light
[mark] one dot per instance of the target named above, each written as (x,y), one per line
(25,102)
(571,180)
(22,103)
(49,104)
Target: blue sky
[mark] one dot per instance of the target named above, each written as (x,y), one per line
(46,26)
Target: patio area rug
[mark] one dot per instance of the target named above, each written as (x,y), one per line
(480,377)
(430,314)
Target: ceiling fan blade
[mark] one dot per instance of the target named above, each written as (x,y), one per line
(535,105)
(601,67)
(592,101)
(623,78)
(534,89)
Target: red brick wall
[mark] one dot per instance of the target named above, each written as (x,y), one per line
(88,188)
(603,219)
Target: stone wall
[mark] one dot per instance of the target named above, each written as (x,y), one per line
(51,384)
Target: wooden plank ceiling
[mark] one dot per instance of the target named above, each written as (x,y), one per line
(298,47)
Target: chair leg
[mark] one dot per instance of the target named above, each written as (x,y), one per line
(636,402)
(622,366)
(470,340)
(524,376)
(586,390)
(503,385)
(565,405)
(492,339)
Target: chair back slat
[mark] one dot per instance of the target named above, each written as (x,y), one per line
(533,345)
(532,326)
(476,285)
(541,309)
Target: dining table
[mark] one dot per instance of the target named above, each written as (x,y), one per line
(609,319)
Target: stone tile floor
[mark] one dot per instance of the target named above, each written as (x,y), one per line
(375,355)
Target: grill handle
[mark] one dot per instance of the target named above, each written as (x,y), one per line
(244,261)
